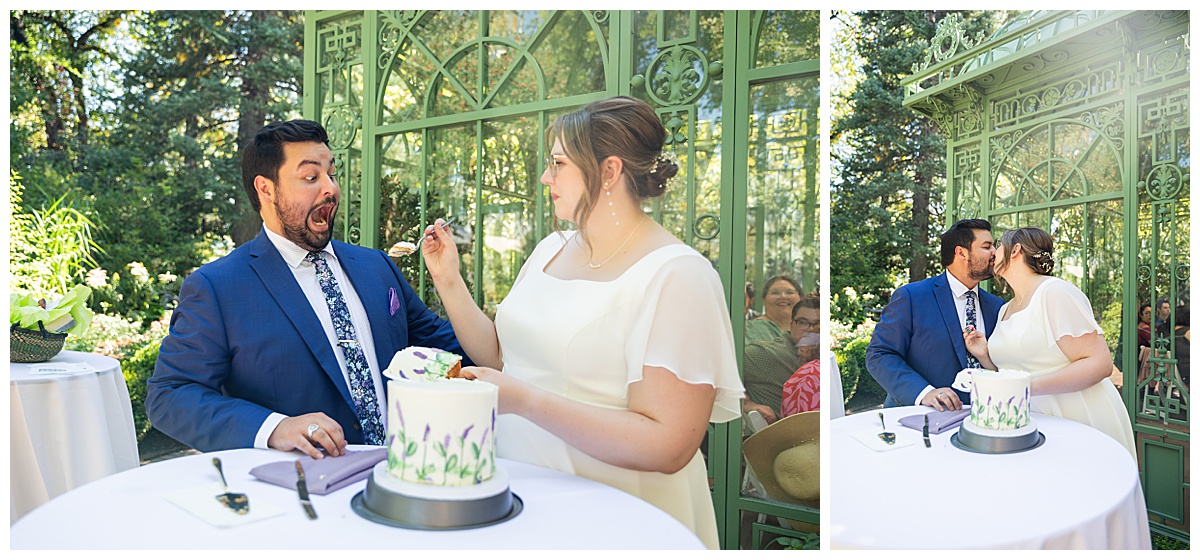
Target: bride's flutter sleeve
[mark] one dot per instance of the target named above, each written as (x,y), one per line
(1068,311)
(683,326)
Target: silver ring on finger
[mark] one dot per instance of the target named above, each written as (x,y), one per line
(312,429)
(940,394)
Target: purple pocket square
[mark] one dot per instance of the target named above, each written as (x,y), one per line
(393,302)
(323,475)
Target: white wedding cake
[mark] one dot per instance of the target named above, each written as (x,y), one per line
(999,402)
(441,429)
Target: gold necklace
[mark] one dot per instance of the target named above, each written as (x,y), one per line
(635,228)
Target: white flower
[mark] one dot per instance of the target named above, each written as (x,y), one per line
(166,277)
(138,269)
(850,292)
(96,278)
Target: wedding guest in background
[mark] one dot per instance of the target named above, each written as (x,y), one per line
(1163,315)
(750,312)
(917,348)
(769,363)
(802,391)
(780,293)
(1145,319)
(256,355)
(1183,343)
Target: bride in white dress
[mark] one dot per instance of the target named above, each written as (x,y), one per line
(614,349)
(1049,330)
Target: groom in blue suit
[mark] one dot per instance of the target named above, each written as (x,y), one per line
(254,357)
(917,348)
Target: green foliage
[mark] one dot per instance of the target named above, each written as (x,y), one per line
(809,541)
(886,193)
(137,117)
(1162,542)
(136,294)
(51,246)
(850,349)
(137,371)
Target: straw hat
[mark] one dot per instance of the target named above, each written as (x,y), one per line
(786,456)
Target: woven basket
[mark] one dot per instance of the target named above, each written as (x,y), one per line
(26,346)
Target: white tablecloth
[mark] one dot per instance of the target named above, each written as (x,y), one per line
(128,510)
(1079,490)
(66,430)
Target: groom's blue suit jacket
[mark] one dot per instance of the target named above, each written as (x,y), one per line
(244,342)
(919,340)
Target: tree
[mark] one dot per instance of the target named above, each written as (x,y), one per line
(125,112)
(889,161)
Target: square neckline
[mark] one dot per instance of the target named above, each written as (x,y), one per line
(1036,290)
(558,253)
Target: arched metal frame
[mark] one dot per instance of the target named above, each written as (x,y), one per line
(1077,122)
(441,113)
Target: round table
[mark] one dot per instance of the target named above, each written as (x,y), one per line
(129,510)
(1079,490)
(66,430)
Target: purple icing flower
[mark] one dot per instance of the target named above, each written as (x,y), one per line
(446,442)
(467,431)
(418,354)
(426,436)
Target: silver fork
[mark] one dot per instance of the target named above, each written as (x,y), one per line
(422,239)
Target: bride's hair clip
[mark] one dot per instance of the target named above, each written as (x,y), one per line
(1045,261)
(664,157)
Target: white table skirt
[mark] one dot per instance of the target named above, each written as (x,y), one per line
(66,430)
(128,510)
(1079,490)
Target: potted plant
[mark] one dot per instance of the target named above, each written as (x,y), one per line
(53,321)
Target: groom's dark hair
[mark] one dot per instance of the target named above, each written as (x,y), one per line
(961,234)
(263,154)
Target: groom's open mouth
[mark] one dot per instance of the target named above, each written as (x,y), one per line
(321,216)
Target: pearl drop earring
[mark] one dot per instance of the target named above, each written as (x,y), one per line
(608,193)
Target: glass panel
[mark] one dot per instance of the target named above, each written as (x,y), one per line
(444,31)
(783,234)
(1106,270)
(786,36)
(411,77)
(400,197)
(511,171)
(516,26)
(451,171)
(520,85)
(676,25)
(570,57)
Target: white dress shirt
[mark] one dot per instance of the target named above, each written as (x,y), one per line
(306,276)
(959,290)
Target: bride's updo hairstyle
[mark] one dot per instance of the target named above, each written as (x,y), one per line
(1036,246)
(619,126)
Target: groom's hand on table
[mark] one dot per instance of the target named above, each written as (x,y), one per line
(293,433)
(942,398)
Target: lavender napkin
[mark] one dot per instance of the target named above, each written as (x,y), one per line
(323,475)
(938,421)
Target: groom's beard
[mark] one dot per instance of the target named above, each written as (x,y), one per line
(980,272)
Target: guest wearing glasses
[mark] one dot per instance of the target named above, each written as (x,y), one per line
(769,363)
(780,294)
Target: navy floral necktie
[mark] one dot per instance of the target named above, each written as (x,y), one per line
(972,362)
(362,386)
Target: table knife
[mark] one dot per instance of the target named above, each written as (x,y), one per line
(302,488)
(924,433)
